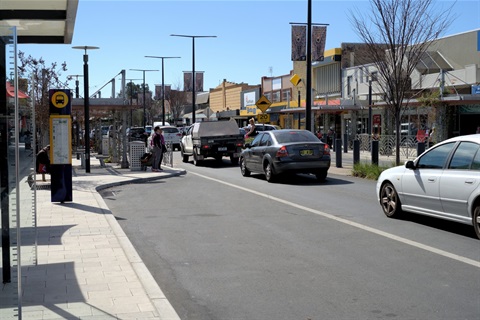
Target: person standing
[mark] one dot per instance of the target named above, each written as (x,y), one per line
(252,130)
(158,141)
(43,161)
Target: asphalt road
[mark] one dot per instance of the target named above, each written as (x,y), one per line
(222,246)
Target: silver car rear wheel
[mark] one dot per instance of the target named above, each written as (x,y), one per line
(389,201)
(269,174)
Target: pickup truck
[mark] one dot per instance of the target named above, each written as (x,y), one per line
(215,139)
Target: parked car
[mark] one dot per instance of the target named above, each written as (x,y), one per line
(443,182)
(148,130)
(171,135)
(136,134)
(275,152)
(262,127)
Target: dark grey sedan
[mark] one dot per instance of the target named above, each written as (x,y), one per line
(280,151)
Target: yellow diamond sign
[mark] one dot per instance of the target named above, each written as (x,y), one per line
(263,103)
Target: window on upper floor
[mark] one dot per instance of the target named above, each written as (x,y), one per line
(286,95)
(276,96)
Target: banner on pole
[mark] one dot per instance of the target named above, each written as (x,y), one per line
(319,35)
(299,41)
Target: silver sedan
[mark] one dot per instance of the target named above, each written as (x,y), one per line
(443,182)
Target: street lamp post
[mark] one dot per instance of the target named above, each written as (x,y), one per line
(86,101)
(144,98)
(77,91)
(193,67)
(163,83)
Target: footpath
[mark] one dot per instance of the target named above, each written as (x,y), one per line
(85,266)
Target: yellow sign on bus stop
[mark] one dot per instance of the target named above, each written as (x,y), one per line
(59,99)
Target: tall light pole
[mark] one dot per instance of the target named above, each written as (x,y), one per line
(193,67)
(77,91)
(86,102)
(163,83)
(144,98)
(308,98)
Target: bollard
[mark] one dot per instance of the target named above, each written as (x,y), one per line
(420,148)
(345,143)
(375,152)
(356,151)
(338,152)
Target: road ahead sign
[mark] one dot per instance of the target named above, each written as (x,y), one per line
(263,103)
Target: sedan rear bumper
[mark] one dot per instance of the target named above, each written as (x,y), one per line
(303,166)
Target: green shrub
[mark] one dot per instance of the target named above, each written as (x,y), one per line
(368,170)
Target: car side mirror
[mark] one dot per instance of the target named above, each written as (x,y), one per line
(247,145)
(410,165)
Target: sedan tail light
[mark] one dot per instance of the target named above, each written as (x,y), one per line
(282,152)
(326,150)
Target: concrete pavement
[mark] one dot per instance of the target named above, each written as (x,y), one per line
(85,266)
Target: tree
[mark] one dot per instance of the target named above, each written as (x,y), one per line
(44,77)
(406,28)
(177,101)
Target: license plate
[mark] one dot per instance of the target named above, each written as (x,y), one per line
(306,152)
(222,148)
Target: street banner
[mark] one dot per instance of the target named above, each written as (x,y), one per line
(319,35)
(158,91)
(199,81)
(187,81)
(299,41)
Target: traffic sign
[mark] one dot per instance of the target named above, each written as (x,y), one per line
(263,103)
(263,118)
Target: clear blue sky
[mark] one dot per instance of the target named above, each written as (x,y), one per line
(253,37)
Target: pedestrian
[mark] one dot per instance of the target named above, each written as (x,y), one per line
(252,131)
(43,162)
(330,135)
(158,142)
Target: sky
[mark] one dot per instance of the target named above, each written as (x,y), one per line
(253,38)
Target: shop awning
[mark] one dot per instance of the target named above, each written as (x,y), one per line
(11,92)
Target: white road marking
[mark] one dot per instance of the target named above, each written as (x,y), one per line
(353,224)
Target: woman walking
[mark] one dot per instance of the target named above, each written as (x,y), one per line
(158,141)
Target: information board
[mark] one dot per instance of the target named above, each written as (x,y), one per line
(60,140)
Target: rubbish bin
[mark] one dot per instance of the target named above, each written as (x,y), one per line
(137,149)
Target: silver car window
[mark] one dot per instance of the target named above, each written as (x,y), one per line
(436,158)
(464,155)
(256,141)
(266,140)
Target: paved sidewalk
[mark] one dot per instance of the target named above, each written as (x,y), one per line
(86,266)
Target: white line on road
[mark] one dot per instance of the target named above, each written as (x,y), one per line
(353,224)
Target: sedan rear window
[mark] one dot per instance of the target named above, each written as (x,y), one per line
(170,130)
(295,136)
(464,155)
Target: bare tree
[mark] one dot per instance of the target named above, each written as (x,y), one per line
(45,77)
(177,101)
(406,28)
